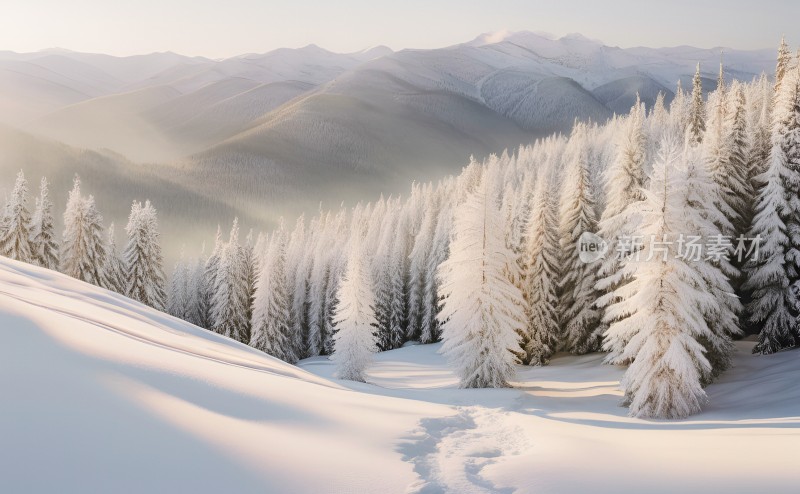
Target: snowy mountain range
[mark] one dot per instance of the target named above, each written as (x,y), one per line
(278,133)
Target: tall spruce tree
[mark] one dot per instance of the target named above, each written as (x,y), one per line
(271,323)
(482,309)
(143,259)
(230,299)
(774,274)
(83,249)
(697,112)
(624,182)
(663,306)
(44,247)
(578,313)
(209,282)
(541,275)
(355,341)
(114,269)
(14,232)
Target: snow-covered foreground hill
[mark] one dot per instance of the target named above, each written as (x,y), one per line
(101,394)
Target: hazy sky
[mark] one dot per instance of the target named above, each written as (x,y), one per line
(220,28)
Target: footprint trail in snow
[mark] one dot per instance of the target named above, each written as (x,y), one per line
(450,453)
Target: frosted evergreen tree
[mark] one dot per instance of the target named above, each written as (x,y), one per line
(771,276)
(702,217)
(385,269)
(83,249)
(679,111)
(318,284)
(759,133)
(697,114)
(398,277)
(14,232)
(663,305)
(195,291)
(659,119)
(540,261)
(430,326)
(209,283)
(724,153)
(230,296)
(271,324)
(251,272)
(784,61)
(114,269)
(624,182)
(178,295)
(355,341)
(143,259)
(579,316)
(44,247)
(419,257)
(482,308)
(738,189)
(298,262)
(337,265)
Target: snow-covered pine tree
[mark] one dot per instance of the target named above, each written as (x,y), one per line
(540,264)
(737,189)
(177,297)
(355,341)
(271,326)
(44,247)
(697,113)
(759,133)
(142,257)
(398,278)
(679,110)
(772,275)
(429,331)
(83,254)
(14,232)
(114,269)
(383,270)
(336,267)
(782,66)
(658,121)
(662,307)
(209,282)
(419,261)
(482,308)
(624,182)
(230,297)
(251,268)
(298,263)
(578,314)
(720,149)
(318,283)
(195,290)
(703,217)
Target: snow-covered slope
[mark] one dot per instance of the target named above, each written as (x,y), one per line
(562,429)
(101,394)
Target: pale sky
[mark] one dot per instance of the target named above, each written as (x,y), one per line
(222,28)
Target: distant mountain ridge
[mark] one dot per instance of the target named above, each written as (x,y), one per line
(280,132)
